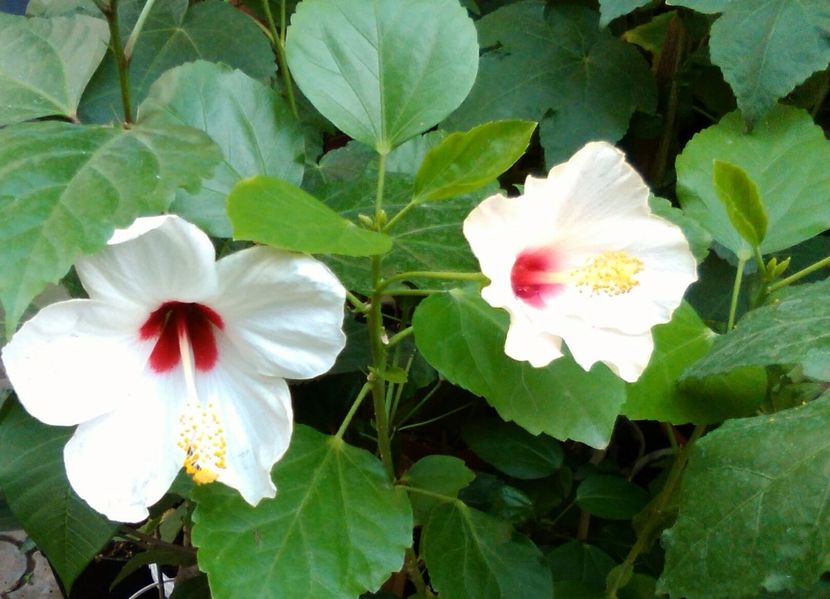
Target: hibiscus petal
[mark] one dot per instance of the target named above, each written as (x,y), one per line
(595,185)
(155,260)
(283,310)
(76,360)
(626,355)
(256,415)
(125,461)
(526,342)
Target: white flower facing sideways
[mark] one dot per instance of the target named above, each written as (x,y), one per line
(176,360)
(580,257)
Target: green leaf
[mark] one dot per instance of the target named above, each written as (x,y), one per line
(442,474)
(704,6)
(651,36)
(786,155)
(429,238)
(555,61)
(383,70)
(739,195)
(498,563)
(512,449)
(192,588)
(46,63)
(212,30)
(34,482)
(678,345)
(64,188)
(753,508)
(794,327)
(277,213)
(462,337)
(610,497)
(611,9)
(767,47)
(464,162)
(579,562)
(336,528)
(60,8)
(251,124)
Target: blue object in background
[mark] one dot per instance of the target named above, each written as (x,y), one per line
(16,7)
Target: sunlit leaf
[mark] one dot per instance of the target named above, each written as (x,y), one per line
(277,213)
(46,63)
(250,123)
(64,188)
(786,155)
(383,70)
(464,162)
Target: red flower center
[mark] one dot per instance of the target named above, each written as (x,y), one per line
(530,276)
(174,320)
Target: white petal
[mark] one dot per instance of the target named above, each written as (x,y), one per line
(156,260)
(626,355)
(527,343)
(595,185)
(282,310)
(125,461)
(76,360)
(668,269)
(256,415)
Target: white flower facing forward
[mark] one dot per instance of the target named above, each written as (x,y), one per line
(176,360)
(580,257)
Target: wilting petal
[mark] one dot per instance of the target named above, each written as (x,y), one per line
(76,360)
(156,260)
(283,310)
(125,461)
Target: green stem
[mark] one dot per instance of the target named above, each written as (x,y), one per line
(353,410)
(139,25)
(436,418)
(356,303)
(121,61)
(399,336)
(374,320)
(800,274)
(736,291)
(401,213)
(655,519)
(429,274)
(413,292)
(418,406)
(278,40)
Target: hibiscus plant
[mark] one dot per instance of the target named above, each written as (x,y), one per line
(417,298)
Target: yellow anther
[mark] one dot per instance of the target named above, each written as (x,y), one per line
(611,273)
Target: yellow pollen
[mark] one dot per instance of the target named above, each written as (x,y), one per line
(203,442)
(611,273)
(201,436)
